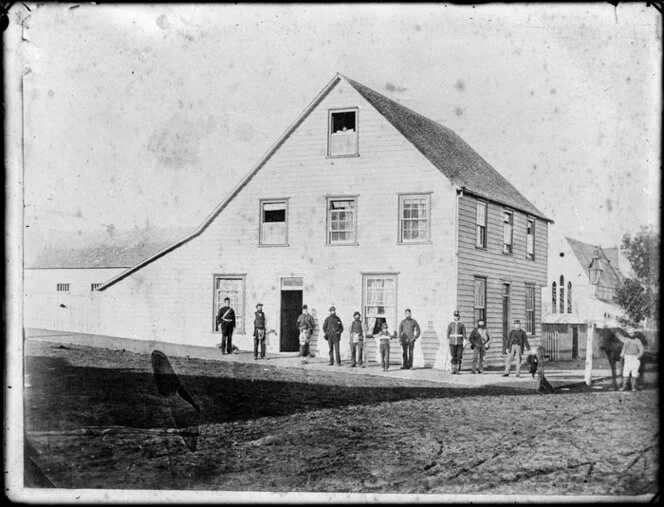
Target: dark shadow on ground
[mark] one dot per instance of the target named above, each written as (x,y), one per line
(63,396)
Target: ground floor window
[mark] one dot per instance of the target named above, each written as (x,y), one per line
(379,293)
(232,287)
(530,309)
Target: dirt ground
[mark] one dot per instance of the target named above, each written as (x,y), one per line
(94,418)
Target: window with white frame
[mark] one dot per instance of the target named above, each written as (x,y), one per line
(380,298)
(480,227)
(274,222)
(414,218)
(561,299)
(342,136)
(569,297)
(530,309)
(233,288)
(94,286)
(62,287)
(341,220)
(480,299)
(530,239)
(508,221)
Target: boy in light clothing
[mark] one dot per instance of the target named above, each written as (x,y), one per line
(631,352)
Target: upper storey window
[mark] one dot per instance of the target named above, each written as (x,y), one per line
(274,222)
(480,225)
(342,135)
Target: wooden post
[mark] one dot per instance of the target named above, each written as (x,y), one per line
(589,353)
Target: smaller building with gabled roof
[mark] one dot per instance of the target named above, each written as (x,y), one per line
(583,279)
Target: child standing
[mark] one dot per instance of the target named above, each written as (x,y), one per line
(536,361)
(384,338)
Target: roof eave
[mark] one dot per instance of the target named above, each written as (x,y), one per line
(538,214)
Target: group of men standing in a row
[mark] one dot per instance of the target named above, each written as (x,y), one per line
(408,333)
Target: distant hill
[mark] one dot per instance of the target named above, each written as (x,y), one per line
(110,248)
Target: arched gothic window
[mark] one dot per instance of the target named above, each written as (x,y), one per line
(562,294)
(569,297)
(554,297)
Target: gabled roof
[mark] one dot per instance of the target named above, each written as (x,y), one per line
(611,276)
(450,154)
(441,146)
(99,249)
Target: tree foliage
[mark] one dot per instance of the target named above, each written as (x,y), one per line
(639,296)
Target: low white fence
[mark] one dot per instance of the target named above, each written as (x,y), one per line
(551,342)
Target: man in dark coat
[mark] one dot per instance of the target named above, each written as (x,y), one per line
(409,331)
(516,342)
(332,328)
(259,331)
(479,342)
(226,320)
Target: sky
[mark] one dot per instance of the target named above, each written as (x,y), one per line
(148,115)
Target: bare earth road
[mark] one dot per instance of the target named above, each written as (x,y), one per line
(94,419)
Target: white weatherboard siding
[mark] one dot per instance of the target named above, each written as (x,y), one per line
(43,303)
(171,298)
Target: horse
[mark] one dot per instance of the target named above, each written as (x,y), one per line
(611,344)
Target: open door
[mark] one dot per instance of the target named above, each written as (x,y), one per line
(291,308)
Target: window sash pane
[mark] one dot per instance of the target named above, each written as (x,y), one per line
(341,221)
(414,218)
(481,214)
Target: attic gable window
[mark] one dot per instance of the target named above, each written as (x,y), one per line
(342,133)
(62,287)
(274,222)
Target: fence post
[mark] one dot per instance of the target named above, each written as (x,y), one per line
(589,353)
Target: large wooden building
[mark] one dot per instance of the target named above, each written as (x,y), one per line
(362,204)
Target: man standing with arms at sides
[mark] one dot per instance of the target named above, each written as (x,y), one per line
(456,334)
(409,331)
(479,342)
(226,319)
(332,328)
(259,331)
(516,342)
(306,325)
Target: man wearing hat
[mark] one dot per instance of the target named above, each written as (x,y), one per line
(259,331)
(332,328)
(479,342)
(409,331)
(226,320)
(456,335)
(515,345)
(358,331)
(306,325)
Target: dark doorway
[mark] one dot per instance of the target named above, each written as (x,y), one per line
(291,308)
(575,342)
